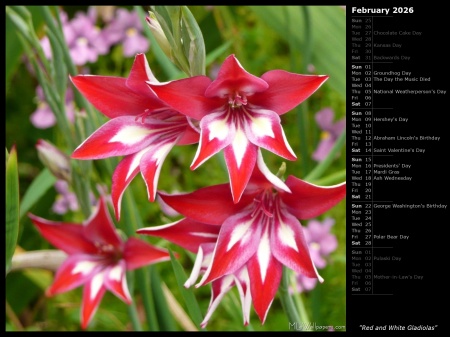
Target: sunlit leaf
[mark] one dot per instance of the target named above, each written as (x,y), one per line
(12,206)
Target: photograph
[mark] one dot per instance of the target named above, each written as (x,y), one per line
(180,168)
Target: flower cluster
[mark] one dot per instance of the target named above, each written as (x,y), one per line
(243,232)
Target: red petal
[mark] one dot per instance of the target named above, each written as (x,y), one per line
(219,288)
(151,164)
(187,96)
(65,236)
(185,233)
(265,275)
(124,173)
(232,78)
(240,157)
(119,137)
(308,200)
(263,129)
(116,282)
(286,90)
(138,253)
(111,96)
(238,241)
(140,73)
(218,131)
(100,229)
(289,246)
(73,272)
(92,296)
(211,205)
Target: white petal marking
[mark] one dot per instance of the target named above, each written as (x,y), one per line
(96,284)
(263,254)
(286,235)
(130,135)
(240,233)
(240,143)
(162,152)
(135,162)
(261,127)
(218,129)
(204,235)
(83,267)
(115,273)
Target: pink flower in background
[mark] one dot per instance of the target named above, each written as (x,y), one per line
(65,199)
(239,113)
(126,28)
(321,244)
(43,117)
(330,132)
(85,40)
(257,236)
(98,258)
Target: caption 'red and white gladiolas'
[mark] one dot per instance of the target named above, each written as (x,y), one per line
(98,258)
(251,240)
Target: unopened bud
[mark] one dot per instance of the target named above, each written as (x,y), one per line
(158,33)
(54,159)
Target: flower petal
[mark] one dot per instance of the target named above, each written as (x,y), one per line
(92,296)
(151,163)
(124,173)
(308,200)
(263,129)
(217,131)
(187,96)
(185,233)
(219,288)
(288,245)
(240,157)
(116,282)
(100,229)
(238,241)
(286,90)
(65,236)
(242,281)
(324,118)
(211,205)
(138,253)
(265,276)
(202,261)
(232,77)
(119,137)
(112,97)
(73,272)
(140,73)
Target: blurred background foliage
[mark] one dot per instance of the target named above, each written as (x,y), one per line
(308,40)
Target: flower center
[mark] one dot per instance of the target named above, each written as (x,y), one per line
(108,250)
(131,32)
(236,100)
(264,203)
(82,41)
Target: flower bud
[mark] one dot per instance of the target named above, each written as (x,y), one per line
(158,33)
(54,159)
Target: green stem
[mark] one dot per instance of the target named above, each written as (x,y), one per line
(286,299)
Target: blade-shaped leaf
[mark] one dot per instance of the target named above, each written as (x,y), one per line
(188,296)
(12,206)
(37,189)
(328,31)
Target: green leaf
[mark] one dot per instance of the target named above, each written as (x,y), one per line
(328,30)
(12,206)
(37,189)
(196,50)
(165,320)
(188,296)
